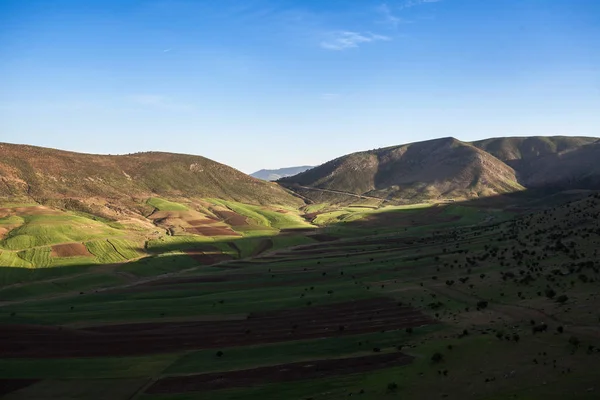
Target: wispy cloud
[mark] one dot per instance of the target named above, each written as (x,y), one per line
(157,102)
(414,3)
(388,16)
(343,40)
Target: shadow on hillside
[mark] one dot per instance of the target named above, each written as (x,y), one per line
(221,254)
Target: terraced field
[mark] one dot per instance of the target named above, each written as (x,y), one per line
(438,301)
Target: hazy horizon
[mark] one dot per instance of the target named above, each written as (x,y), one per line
(267,85)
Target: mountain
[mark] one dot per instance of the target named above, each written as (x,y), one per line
(449,168)
(436,168)
(576,168)
(275,174)
(55,176)
(525,154)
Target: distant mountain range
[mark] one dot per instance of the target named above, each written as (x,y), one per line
(450,168)
(275,174)
(444,168)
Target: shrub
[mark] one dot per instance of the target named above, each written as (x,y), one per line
(392,387)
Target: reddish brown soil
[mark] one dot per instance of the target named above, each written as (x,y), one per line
(232,218)
(200,222)
(211,231)
(264,245)
(311,216)
(294,231)
(11,385)
(278,373)
(70,250)
(319,237)
(207,258)
(309,322)
(229,282)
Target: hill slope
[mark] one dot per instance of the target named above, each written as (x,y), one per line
(569,169)
(512,149)
(47,175)
(275,174)
(436,168)
(533,158)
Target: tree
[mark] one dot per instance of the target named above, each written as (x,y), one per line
(437,357)
(392,387)
(574,341)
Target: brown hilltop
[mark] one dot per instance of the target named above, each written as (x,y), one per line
(436,168)
(43,175)
(449,168)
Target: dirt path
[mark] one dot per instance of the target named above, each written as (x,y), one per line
(360,196)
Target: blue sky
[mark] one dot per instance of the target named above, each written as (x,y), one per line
(264,83)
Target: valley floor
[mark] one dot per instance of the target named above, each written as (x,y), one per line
(418,302)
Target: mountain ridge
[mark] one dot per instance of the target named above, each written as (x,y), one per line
(450,168)
(275,174)
(48,176)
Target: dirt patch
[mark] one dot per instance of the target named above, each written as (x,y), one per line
(278,373)
(200,222)
(309,322)
(319,237)
(11,385)
(311,216)
(232,218)
(33,210)
(70,250)
(207,258)
(211,231)
(296,230)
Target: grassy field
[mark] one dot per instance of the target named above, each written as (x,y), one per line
(264,217)
(486,304)
(43,230)
(165,205)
